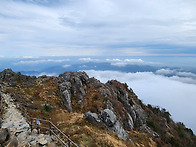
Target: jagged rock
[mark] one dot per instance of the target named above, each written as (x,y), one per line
(93,118)
(72,84)
(48,138)
(31,138)
(11,78)
(108,117)
(65,86)
(105,92)
(0,122)
(119,130)
(66,96)
(148,130)
(140,115)
(78,83)
(4,135)
(33,143)
(7,73)
(23,136)
(13,142)
(130,122)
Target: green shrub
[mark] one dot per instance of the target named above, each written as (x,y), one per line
(48,108)
(131,102)
(126,85)
(174,142)
(152,125)
(120,100)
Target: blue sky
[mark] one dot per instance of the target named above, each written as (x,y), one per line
(97,27)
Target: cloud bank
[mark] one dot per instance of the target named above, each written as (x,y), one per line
(177,97)
(185,77)
(38,61)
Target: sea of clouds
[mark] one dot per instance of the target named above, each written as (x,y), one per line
(176,94)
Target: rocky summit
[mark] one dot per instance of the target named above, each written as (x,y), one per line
(89,112)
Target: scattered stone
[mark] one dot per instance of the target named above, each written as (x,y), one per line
(18,126)
(42,141)
(34,131)
(33,143)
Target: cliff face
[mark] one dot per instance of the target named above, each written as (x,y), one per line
(93,113)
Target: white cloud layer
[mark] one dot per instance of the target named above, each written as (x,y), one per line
(176,96)
(66,65)
(89,59)
(40,61)
(186,77)
(124,62)
(165,71)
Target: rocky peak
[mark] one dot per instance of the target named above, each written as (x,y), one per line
(13,79)
(112,106)
(73,85)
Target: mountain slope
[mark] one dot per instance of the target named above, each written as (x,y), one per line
(93,113)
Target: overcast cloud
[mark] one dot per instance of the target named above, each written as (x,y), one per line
(177,97)
(97,27)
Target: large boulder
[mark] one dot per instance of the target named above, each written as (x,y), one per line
(0,122)
(4,135)
(119,130)
(13,142)
(108,117)
(66,96)
(93,118)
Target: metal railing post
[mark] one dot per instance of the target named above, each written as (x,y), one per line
(52,128)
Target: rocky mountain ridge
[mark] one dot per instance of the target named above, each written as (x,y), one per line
(112,108)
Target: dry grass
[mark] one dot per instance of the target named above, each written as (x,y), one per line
(80,131)
(141,139)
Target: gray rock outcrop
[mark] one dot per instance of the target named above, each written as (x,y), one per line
(93,118)
(72,84)
(13,142)
(109,119)
(4,135)
(149,131)
(10,78)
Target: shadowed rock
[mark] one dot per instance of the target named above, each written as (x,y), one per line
(93,118)
(4,135)
(13,142)
(108,117)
